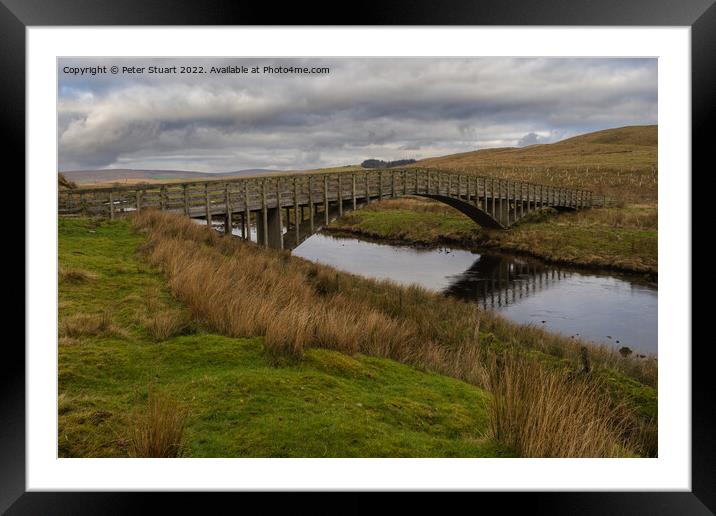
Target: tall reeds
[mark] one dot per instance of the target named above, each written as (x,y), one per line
(242,290)
(158,430)
(541,412)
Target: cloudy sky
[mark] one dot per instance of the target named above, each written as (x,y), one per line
(385,108)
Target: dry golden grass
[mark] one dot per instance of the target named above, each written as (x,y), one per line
(64,183)
(74,275)
(166,324)
(84,325)
(546,413)
(158,431)
(241,290)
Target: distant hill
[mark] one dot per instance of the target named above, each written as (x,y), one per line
(125,175)
(631,146)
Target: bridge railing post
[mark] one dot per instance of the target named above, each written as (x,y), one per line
(325,198)
(246,231)
(353,191)
(380,185)
(367,188)
(311,207)
(264,213)
(340,196)
(111,205)
(228,223)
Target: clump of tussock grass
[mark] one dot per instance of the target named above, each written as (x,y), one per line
(67,341)
(88,325)
(296,304)
(75,275)
(158,430)
(165,324)
(294,331)
(64,183)
(543,412)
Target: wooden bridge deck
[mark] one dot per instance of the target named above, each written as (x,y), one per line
(489,201)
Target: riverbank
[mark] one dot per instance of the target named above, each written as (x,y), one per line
(123,335)
(294,310)
(617,239)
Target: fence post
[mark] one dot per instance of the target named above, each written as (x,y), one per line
(186,200)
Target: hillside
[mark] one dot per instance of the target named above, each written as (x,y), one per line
(131,176)
(631,146)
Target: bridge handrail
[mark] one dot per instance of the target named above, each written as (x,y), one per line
(222,181)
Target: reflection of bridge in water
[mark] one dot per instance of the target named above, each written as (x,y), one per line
(496,282)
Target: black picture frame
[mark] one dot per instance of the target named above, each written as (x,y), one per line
(17,15)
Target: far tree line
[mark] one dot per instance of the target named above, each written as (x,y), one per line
(379,163)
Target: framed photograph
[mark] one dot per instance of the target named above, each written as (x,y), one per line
(270,252)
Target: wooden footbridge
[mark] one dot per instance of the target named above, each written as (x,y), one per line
(286,209)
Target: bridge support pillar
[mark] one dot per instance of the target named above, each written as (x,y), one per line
(272,231)
(228,223)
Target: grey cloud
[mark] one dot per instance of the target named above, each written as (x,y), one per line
(530,139)
(379,107)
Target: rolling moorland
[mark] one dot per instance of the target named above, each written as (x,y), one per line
(620,164)
(161,355)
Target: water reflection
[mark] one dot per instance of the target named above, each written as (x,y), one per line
(497,281)
(602,307)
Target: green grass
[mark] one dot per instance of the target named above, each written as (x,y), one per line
(410,226)
(327,405)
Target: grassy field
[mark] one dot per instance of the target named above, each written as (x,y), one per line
(386,370)
(609,238)
(123,334)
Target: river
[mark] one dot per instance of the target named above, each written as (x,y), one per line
(614,309)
